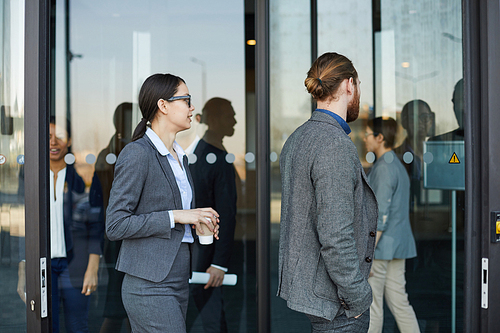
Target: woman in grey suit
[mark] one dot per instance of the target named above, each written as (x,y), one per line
(150,210)
(394,240)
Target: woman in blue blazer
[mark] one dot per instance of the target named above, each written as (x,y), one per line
(150,210)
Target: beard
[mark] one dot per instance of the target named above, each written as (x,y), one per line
(353,108)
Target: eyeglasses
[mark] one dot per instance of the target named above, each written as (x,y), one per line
(372,133)
(186,97)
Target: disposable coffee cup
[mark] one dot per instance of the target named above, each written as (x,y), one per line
(208,237)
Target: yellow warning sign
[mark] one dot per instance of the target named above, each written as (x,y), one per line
(454,159)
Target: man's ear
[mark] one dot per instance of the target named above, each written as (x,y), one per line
(198,117)
(350,86)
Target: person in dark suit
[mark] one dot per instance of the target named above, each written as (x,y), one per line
(328,210)
(419,122)
(458,109)
(151,210)
(214,181)
(75,242)
(456,135)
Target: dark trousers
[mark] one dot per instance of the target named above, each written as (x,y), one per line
(75,304)
(341,324)
(211,308)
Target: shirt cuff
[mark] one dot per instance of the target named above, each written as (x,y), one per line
(224,269)
(171,215)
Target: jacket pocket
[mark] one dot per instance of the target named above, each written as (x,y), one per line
(323,285)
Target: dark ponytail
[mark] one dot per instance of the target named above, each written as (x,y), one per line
(140,129)
(156,87)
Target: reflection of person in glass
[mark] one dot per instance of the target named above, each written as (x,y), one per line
(328,210)
(418,121)
(395,243)
(214,184)
(75,246)
(458,108)
(456,135)
(114,312)
(150,209)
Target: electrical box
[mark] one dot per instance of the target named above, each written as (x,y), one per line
(444,165)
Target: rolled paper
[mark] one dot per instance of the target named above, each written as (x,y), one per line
(202,278)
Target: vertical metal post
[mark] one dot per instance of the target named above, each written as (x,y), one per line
(263,166)
(314,39)
(376,18)
(314,30)
(453,261)
(36,110)
(481,22)
(473,195)
(69,57)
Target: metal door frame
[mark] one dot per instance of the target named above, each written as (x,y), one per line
(36,110)
(481,23)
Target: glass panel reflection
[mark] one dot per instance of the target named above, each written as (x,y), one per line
(12,241)
(416,61)
(409,60)
(290,59)
(113,49)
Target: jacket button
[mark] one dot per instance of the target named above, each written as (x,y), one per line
(372,233)
(368,259)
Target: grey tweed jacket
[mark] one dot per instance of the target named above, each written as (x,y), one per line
(328,222)
(144,190)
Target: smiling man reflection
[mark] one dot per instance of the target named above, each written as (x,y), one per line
(215,186)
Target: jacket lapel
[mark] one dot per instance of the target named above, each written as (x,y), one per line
(169,174)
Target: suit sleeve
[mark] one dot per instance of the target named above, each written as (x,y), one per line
(122,222)
(334,179)
(383,185)
(75,182)
(225,205)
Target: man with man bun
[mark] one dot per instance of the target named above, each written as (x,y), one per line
(328,210)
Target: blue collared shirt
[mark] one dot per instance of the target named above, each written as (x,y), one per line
(180,178)
(339,119)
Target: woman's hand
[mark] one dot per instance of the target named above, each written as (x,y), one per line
(90,277)
(197,216)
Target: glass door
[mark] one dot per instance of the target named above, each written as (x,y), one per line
(12,228)
(104,52)
(418,81)
(409,59)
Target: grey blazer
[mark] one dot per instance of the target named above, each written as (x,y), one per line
(328,222)
(143,191)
